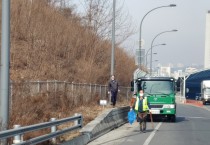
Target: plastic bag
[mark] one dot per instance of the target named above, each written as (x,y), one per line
(131,116)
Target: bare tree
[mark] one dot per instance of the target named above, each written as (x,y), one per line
(97,16)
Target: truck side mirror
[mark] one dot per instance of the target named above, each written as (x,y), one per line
(175,89)
(132,86)
(144,86)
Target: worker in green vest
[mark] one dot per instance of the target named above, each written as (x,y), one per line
(141,107)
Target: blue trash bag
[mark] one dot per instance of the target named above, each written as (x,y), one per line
(131,116)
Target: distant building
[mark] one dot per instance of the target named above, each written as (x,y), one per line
(207,42)
(165,71)
(180,73)
(190,70)
(177,74)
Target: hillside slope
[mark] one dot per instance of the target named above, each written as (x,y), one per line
(48,44)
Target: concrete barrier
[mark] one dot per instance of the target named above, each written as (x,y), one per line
(107,121)
(194,102)
(180,99)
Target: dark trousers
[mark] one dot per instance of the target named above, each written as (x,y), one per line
(142,120)
(142,115)
(113,98)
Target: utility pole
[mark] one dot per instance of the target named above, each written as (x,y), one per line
(5,57)
(113,39)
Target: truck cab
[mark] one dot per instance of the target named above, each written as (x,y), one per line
(205,91)
(160,92)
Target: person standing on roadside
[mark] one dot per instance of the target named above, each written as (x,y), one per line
(113,89)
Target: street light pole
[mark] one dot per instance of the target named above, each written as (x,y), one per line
(155,61)
(152,47)
(113,39)
(140,29)
(5,54)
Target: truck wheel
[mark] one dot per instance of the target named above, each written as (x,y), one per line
(204,103)
(173,118)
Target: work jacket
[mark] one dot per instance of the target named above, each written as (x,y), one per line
(141,105)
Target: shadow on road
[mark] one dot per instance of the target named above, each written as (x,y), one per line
(181,119)
(104,143)
(148,130)
(178,119)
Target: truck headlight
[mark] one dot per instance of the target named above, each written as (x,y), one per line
(169,106)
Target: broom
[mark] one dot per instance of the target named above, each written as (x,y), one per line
(151,119)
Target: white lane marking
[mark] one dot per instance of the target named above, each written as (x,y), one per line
(147,141)
(192,117)
(195,117)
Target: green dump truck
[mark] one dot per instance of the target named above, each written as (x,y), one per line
(160,92)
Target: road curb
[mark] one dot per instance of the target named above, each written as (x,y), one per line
(107,121)
(194,102)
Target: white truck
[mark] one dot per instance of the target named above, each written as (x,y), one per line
(205,91)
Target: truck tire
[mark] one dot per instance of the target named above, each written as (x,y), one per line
(173,118)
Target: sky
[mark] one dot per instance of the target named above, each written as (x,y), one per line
(186,46)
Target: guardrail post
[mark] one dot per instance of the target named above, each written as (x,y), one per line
(91,91)
(79,121)
(127,94)
(76,122)
(53,129)
(100,92)
(72,89)
(18,138)
(47,86)
(55,86)
(38,86)
(95,89)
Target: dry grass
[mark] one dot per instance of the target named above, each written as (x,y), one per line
(56,108)
(48,43)
(90,112)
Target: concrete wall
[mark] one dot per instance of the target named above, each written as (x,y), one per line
(107,121)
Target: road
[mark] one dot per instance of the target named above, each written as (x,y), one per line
(207,106)
(192,128)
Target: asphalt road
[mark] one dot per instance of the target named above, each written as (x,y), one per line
(192,128)
(207,106)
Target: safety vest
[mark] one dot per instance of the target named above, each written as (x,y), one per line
(144,104)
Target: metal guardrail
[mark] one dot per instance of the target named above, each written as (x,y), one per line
(20,131)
